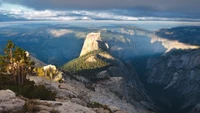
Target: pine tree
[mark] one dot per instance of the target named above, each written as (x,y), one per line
(24,64)
(16,62)
(8,58)
(2,64)
(9,50)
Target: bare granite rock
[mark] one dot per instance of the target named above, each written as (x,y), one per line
(9,102)
(43,111)
(103,74)
(101,110)
(105,93)
(45,108)
(93,42)
(68,107)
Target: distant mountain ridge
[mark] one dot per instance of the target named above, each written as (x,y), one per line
(56,44)
(178,38)
(188,34)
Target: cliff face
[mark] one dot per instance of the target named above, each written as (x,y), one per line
(187,35)
(95,64)
(178,38)
(176,73)
(93,42)
(172,44)
(177,70)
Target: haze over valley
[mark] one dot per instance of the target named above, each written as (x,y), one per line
(59,42)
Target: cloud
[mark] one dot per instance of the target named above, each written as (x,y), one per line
(146,5)
(23,12)
(150,8)
(20,12)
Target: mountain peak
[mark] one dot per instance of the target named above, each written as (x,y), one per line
(93,42)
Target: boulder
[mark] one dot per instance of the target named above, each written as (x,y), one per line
(9,102)
(101,110)
(69,107)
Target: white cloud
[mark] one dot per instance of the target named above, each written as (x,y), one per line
(30,14)
(167,19)
(21,12)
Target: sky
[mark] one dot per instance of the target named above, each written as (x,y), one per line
(126,10)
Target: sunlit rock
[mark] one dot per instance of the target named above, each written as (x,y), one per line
(93,42)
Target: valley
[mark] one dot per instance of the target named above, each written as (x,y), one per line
(154,70)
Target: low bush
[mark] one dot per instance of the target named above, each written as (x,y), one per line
(31,106)
(98,105)
(54,111)
(28,90)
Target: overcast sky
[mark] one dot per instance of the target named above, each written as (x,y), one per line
(101,9)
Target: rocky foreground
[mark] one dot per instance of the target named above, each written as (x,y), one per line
(74,97)
(9,101)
